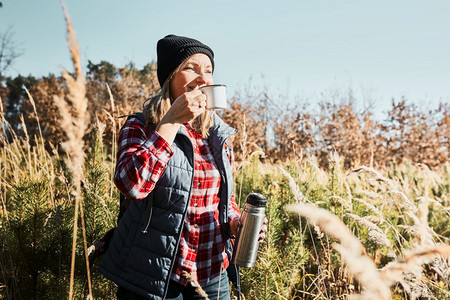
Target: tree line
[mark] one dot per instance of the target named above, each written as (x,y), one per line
(278,130)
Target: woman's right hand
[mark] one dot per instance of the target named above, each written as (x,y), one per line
(184,109)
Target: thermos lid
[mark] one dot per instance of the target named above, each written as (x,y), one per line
(256,199)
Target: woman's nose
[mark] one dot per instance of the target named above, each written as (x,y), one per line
(202,78)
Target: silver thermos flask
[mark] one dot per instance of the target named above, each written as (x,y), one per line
(247,239)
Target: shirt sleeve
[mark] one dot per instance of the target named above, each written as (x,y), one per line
(233,210)
(141,159)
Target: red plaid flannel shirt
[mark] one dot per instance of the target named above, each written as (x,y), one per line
(201,251)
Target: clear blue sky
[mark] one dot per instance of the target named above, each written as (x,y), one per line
(381,49)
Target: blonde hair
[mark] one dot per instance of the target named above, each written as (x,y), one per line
(156,107)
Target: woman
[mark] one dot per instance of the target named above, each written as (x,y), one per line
(177,166)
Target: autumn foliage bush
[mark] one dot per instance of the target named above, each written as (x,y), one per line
(281,130)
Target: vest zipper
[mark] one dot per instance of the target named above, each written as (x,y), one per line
(182,221)
(149,209)
(149,212)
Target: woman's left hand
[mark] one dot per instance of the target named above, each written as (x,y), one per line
(262,233)
(234,225)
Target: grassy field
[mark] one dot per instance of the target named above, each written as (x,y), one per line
(340,232)
(333,233)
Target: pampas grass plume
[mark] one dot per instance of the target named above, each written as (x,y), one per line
(350,248)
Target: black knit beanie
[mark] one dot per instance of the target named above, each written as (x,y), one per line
(172,50)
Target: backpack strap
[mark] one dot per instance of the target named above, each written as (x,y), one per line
(139,115)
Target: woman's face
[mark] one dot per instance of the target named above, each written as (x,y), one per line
(196,72)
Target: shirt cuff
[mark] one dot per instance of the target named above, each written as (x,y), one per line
(159,147)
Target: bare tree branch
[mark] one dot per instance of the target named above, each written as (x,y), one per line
(9,50)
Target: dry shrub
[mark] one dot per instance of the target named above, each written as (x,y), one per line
(287,133)
(251,135)
(342,130)
(47,111)
(115,92)
(294,133)
(422,137)
(129,88)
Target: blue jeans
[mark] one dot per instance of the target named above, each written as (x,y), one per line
(179,292)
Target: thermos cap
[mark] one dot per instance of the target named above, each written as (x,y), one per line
(256,199)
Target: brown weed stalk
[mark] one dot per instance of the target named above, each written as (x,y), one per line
(74,118)
(298,195)
(198,288)
(111,117)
